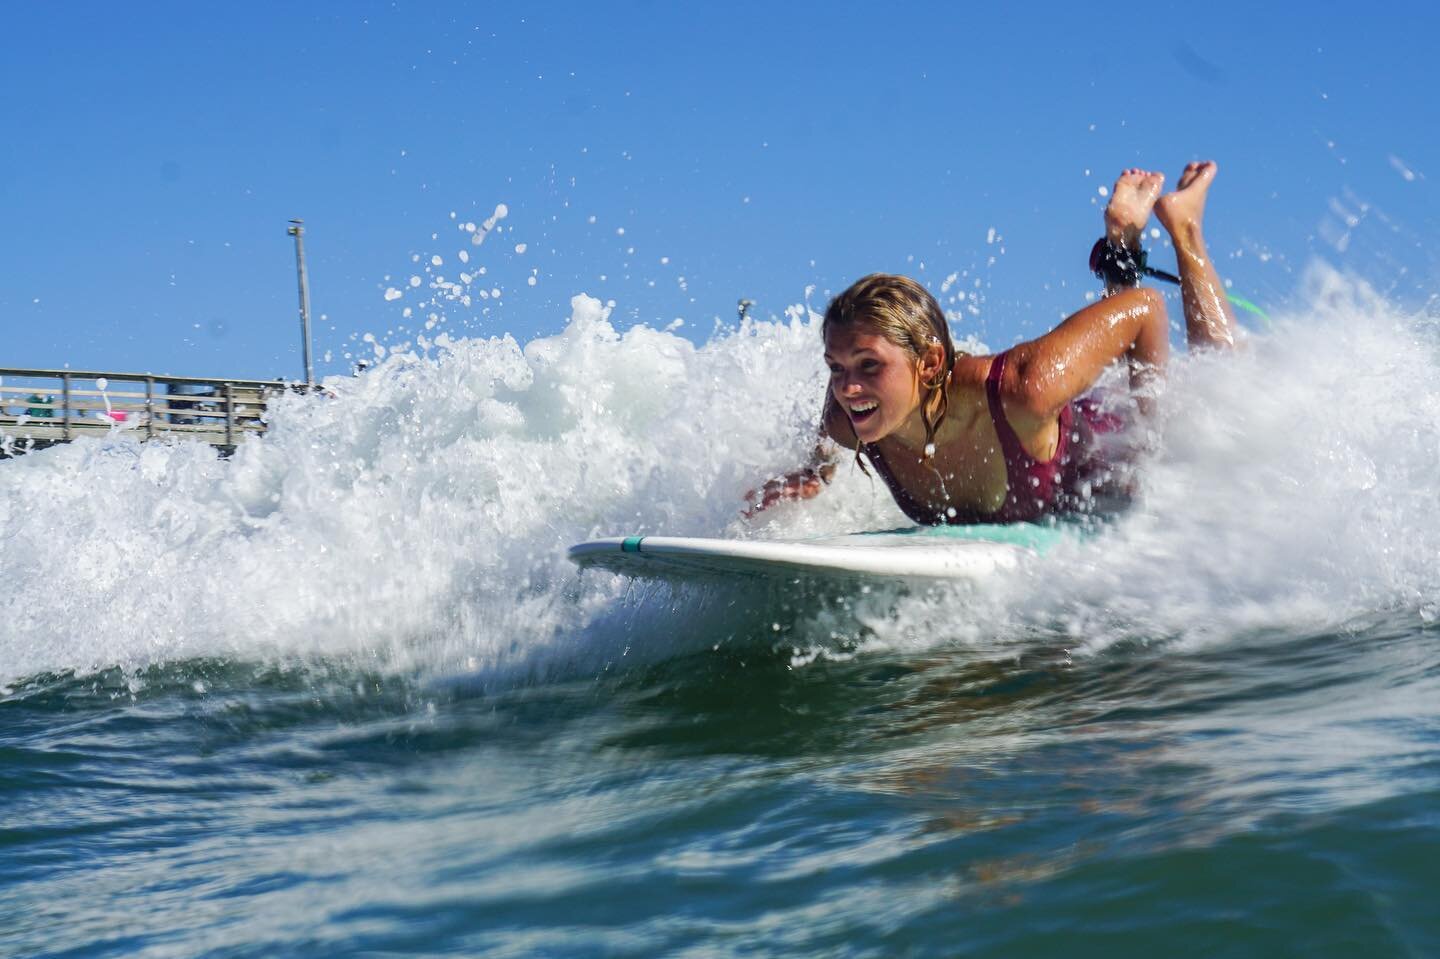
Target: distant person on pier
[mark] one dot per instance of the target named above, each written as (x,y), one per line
(37,410)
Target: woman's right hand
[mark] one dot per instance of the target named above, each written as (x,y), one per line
(801,484)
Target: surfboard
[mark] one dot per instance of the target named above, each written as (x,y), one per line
(917,553)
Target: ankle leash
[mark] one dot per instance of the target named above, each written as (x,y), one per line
(1119,266)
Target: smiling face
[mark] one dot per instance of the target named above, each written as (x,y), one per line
(876,382)
(885,336)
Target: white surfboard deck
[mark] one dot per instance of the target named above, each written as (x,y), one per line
(922,553)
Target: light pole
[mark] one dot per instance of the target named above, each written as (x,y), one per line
(297,230)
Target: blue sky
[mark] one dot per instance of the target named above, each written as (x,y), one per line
(156,152)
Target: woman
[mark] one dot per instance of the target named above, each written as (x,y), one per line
(1006,438)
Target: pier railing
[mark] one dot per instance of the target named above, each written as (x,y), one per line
(42,407)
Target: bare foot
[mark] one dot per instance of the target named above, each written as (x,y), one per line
(1186,206)
(1129,207)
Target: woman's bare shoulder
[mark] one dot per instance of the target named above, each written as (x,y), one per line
(970,371)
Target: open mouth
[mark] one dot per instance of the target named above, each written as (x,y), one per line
(860,412)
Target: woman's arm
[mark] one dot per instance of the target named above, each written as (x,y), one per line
(810,479)
(1043,375)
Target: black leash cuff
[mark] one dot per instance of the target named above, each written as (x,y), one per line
(1118,266)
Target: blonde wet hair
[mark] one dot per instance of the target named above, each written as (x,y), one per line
(904,312)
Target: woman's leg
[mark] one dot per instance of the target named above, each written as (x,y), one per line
(1209,321)
(1131,201)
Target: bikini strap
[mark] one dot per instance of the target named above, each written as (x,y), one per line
(1010,443)
(910,506)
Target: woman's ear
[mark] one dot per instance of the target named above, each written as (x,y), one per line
(932,363)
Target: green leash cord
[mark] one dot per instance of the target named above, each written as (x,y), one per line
(1119,266)
(1245,304)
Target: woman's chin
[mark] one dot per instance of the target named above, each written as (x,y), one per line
(868,431)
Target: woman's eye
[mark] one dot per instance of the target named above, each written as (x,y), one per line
(869,366)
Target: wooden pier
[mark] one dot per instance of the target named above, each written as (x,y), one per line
(40,408)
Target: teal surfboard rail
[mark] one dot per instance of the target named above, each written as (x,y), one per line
(955,553)
(1031,536)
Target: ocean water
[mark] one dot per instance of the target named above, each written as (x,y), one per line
(342,694)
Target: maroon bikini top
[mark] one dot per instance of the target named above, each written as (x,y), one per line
(1034,488)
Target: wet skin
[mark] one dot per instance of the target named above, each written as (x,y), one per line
(1209,320)
(876,391)
(876,385)
(1131,199)
(966,469)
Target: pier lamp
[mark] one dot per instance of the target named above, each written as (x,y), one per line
(297,230)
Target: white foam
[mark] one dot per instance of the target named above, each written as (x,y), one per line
(418,519)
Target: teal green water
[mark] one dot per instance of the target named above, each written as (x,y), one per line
(1276,796)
